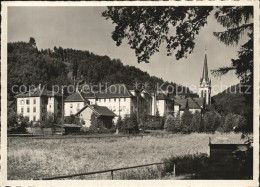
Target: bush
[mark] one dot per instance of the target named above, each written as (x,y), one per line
(154,125)
(96,123)
(186,120)
(211,121)
(170,124)
(196,123)
(130,124)
(233,122)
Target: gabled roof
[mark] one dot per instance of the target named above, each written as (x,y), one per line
(98,110)
(74,97)
(38,93)
(200,100)
(192,104)
(181,102)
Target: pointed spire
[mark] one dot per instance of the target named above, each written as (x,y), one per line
(205,69)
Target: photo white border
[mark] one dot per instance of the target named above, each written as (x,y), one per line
(3,176)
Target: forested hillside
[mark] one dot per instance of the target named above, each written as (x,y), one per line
(231,100)
(29,66)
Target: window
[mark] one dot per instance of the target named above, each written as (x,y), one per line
(71,105)
(34,109)
(115,99)
(109,100)
(22,102)
(28,110)
(124,99)
(34,101)
(22,110)
(27,101)
(50,106)
(104,100)
(34,118)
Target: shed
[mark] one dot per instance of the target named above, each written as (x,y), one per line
(103,113)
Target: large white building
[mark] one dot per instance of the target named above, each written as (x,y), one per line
(120,100)
(36,104)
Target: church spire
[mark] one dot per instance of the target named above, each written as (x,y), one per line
(205,70)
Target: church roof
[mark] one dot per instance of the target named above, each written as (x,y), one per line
(205,75)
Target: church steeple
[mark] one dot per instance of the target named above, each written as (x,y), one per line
(205,82)
(205,76)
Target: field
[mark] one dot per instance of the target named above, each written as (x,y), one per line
(32,158)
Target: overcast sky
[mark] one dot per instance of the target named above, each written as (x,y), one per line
(83,28)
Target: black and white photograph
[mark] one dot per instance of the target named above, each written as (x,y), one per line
(131,92)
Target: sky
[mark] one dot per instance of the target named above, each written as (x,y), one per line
(84,28)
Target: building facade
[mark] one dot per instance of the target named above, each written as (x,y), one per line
(38,103)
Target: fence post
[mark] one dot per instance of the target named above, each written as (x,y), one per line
(112,176)
(174,174)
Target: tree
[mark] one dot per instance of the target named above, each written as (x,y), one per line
(211,121)
(157,116)
(95,122)
(131,123)
(119,123)
(32,42)
(177,123)
(239,21)
(170,124)
(147,27)
(49,121)
(186,119)
(196,122)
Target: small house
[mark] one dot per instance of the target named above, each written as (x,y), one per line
(103,113)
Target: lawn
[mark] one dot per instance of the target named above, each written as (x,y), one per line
(29,158)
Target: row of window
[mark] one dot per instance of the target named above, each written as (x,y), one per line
(34,110)
(27,101)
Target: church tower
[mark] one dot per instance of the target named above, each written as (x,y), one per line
(205,83)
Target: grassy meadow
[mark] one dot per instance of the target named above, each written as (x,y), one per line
(32,158)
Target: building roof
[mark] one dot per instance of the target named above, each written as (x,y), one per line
(38,92)
(98,110)
(115,90)
(74,97)
(200,100)
(192,104)
(181,102)
(205,71)
(162,96)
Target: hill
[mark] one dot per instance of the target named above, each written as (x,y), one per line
(231,100)
(29,66)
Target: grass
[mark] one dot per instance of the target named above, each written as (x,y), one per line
(30,158)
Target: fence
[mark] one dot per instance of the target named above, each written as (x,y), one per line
(106,171)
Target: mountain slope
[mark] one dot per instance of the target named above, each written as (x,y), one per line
(231,100)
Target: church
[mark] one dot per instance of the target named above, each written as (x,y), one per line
(200,103)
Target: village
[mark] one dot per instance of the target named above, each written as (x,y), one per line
(130,93)
(117,100)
